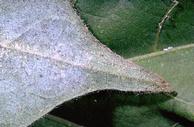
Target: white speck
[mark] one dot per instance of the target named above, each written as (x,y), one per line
(169,48)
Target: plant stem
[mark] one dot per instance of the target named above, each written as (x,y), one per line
(161,23)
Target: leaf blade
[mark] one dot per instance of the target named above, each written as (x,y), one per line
(130,27)
(48,57)
(177,67)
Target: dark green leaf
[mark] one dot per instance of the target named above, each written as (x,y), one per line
(116,109)
(53,121)
(130,27)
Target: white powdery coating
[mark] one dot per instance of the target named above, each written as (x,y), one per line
(47,56)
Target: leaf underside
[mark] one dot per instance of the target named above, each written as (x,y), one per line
(123,27)
(47,56)
(129,111)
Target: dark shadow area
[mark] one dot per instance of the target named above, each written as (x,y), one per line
(96,109)
(177,119)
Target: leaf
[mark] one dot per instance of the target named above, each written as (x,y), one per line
(177,68)
(130,27)
(53,121)
(116,109)
(141,116)
(47,56)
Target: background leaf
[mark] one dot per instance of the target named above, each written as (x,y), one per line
(116,109)
(53,121)
(129,27)
(177,68)
(142,116)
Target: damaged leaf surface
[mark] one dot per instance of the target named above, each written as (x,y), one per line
(47,56)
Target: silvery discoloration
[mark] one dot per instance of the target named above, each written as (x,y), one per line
(47,56)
